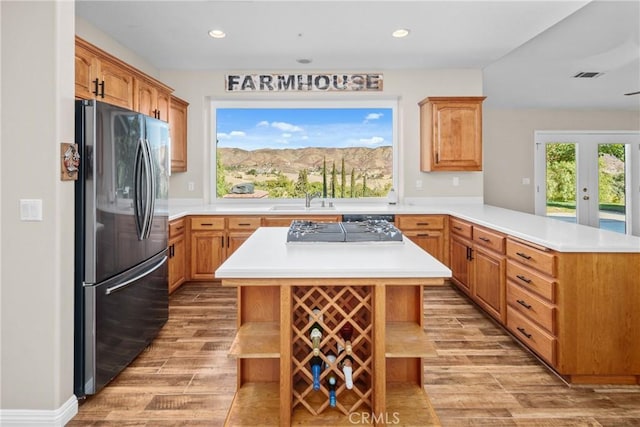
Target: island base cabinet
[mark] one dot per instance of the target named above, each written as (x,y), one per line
(387,343)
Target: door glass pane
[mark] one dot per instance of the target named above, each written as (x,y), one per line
(561,181)
(611,187)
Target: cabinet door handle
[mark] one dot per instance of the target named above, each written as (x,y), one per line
(95,87)
(437,157)
(422,235)
(524,279)
(179,228)
(457,228)
(523,255)
(243,224)
(484,239)
(422,223)
(524,304)
(102,89)
(524,332)
(207,224)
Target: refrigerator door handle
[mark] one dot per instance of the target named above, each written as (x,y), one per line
(123,285)
(151,190)
(138,204)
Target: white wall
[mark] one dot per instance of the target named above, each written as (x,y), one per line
(509,147)
(36,260)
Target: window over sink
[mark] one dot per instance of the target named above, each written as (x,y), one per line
(284,149)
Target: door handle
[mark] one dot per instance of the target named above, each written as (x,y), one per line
(585,197)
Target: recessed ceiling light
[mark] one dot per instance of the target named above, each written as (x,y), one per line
(303,61)
(400,33)
(217,34)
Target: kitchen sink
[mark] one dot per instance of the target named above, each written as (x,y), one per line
(301,208)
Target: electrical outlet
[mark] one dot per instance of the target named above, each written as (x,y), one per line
(456,181)
(418,183)
(191,186)
(526,181)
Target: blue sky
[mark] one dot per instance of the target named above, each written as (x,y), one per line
(253,128)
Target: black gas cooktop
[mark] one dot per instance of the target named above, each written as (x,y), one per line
(356,231)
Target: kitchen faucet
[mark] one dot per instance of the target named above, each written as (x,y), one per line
(308,197)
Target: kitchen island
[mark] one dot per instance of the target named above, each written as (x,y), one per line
(375,287)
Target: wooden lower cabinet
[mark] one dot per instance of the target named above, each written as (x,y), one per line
(489,282)
(427,231)
(207,246)
(478,266)
(461,267)
(239,228)
(177,253)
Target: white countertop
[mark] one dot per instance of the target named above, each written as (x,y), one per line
(266,254)
(552,233)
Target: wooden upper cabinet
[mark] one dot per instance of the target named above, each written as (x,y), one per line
(178,129)
(451,134)
(86,73)
(101,76)
(152,99)
(116,84)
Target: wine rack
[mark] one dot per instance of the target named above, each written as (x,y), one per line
(338,305)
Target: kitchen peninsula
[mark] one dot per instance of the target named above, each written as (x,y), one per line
(376,287)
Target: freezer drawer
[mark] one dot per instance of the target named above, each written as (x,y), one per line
(123,315)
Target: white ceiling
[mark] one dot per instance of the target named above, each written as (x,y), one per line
(528,49)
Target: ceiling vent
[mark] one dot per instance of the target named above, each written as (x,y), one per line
(587,75)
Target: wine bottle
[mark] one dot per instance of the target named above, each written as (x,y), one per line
(346,332)
(316,368)
(347,361)
(347,370)
(333,382)
(316,331)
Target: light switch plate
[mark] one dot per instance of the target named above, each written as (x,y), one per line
(31,209)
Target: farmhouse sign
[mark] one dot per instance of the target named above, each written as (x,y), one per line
(303,82)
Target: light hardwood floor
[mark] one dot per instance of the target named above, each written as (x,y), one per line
(481,376)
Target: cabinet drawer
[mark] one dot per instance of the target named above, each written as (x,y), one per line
(531,335)
(489,239)
(461,228)
(244,222)
(542,261)
(531,280)
(176,227)
(419,222)
(532,306)
(207,223)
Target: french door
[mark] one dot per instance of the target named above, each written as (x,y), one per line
(589,178)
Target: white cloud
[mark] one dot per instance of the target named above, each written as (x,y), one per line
(232,134)
(373,116)
(374,140)
(287,127)
(263,123)
(286,135)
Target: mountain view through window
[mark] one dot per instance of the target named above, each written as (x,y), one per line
(287,152)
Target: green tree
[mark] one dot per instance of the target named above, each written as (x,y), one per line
(343,180)
(324,177)
(364,185)
(353,183)
(302,183)
(334,180)
(222,187)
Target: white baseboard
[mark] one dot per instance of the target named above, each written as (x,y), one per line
(36,417)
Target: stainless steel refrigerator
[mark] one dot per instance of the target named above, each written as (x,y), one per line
(121,295)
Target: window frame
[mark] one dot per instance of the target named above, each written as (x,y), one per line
(391,103)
